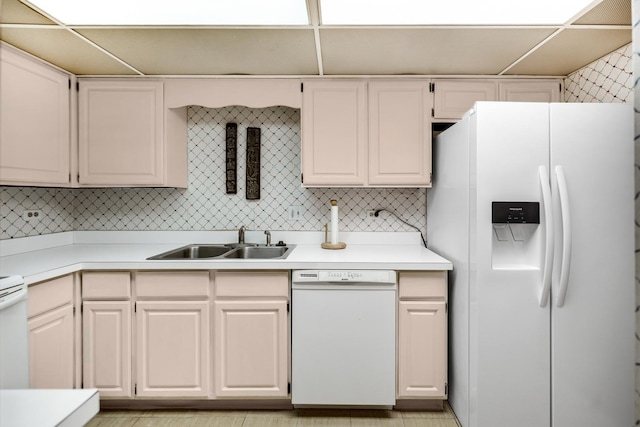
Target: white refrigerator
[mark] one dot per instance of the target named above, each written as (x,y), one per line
(533,203)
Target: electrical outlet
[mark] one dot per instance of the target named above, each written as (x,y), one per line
(32,215)
(369,214)
(294,213)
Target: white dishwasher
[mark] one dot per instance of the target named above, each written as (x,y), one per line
(343,338)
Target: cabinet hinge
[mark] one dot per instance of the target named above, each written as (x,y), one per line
(69,83)
(287,307)
(432,87)
(433,112)
(288,388)
(301,87)
(446,307)
(302,178)
(135,307)
(135,389)
(78,86)
(69,177)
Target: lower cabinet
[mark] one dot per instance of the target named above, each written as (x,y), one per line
(52,334)
(251,344)
(106,333)
(173,334)
(422,335)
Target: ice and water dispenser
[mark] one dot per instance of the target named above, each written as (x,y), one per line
(515,240)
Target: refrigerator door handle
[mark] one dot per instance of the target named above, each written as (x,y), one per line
(563,192)
(548,218)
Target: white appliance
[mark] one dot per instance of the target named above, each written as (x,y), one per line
(343,339)
(541,309)
(14,334)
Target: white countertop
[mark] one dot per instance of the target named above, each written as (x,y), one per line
(88,252)
(48,408)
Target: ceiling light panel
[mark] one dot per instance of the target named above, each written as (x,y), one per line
(451,12)
(183,12)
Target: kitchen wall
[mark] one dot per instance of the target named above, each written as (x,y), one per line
(205,206)
(636,74)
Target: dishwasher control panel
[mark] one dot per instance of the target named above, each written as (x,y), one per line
(343,276)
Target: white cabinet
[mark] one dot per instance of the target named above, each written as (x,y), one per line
(399,134)
(122,138)
(173,334)
(454,97)
(530,91)
(106,338)
(366,133)
(422,335)
(251,334)
(51,333)
(334,133)
(34,121)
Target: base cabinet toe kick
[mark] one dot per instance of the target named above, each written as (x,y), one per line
(302,338)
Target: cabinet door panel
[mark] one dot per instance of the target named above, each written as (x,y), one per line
(51,349)
(251,352)
(422,349)
(107,347)
(121,133)
(547,91)
(453,98)
(172,348)
(399,133)
(34,122)
(334,140)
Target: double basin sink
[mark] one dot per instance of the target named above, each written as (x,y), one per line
(226,251)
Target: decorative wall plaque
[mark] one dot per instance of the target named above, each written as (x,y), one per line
(232,158)
(253,163)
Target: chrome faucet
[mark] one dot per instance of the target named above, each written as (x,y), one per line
(241,234)
(268,237)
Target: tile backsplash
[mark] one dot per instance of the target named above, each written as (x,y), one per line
(204,205)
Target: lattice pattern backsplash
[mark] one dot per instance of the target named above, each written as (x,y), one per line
(205,204)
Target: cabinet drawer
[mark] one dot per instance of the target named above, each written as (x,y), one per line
(48,295)
(180,284)
(98,285)
(252,284)
(423,284)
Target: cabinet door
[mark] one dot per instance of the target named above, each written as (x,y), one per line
(422,349)
(51,349)
(172,349)
(251,351)
(106,347)
(538,91)
(34,122)
(399,133)
(121,133)
(453,98)
(334,140)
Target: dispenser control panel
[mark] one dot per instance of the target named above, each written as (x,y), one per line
(515,213)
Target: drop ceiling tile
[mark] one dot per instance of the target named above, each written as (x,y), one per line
(609,12)
(63,49)
(425,50)
(570,50)
(15,12)
(180,51)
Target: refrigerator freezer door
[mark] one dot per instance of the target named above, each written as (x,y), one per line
(592,333)
(509,331)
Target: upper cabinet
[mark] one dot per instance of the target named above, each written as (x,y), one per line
(366,133)
(122,136)
(454,97)
(34,122)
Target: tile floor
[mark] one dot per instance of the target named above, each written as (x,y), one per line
(275,418)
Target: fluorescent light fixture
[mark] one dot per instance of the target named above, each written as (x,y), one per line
(451,12)
(176,12)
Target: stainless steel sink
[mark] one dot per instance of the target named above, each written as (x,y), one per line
(194,252)
(260,252)
(229,251)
